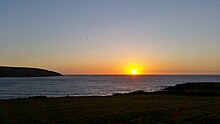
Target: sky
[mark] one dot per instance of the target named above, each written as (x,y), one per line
(112,36)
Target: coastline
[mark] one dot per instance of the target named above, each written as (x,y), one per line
(136,107)
(187,89)
(6,71)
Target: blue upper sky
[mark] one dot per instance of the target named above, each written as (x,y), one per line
(101,36)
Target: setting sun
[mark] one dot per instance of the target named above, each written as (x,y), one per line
(133,71)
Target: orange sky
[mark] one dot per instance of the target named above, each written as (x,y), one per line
(112,37)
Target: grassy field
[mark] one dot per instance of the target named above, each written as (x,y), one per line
(191,103)
(151,108)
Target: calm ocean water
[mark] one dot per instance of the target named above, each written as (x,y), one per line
(90,85)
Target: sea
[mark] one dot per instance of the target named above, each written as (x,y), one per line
(92,85)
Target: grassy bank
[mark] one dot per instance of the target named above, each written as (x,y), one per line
(145,108)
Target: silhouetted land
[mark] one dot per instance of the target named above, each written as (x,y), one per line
(202,89)
(195,89)
(25,72)
(136,107)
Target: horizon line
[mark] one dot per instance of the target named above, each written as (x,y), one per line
(141,75)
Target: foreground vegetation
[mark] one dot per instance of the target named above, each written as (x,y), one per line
(129,108)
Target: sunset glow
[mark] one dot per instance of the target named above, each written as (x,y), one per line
(134,69)
(111,37)
(134,72)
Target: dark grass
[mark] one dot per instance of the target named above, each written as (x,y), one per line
(118,109)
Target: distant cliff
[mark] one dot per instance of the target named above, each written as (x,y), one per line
(25,72)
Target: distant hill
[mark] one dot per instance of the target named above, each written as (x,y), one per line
(25,72)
